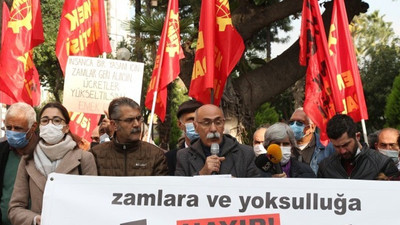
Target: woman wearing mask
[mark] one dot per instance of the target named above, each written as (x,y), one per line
(282,135)
(56,152)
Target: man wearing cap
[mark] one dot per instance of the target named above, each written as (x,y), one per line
(215,152)
(185,116)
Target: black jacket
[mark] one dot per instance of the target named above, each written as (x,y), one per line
(4,151)
(297,170)
(239,159)
(367,165)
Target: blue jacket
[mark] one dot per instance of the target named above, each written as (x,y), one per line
(320,152)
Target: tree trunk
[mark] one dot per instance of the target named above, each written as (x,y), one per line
(138,38)
(246,93)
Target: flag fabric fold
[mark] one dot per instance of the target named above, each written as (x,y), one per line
(166,66)
(82,30)
(343,56)
(22,31)
(322,99)
(219,48)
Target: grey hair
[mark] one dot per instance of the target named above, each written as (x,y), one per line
(22,107)
(277,132)
(114,108)
(308,118)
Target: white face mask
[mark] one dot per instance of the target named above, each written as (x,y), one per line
(286,153)
(393,154)
(259,149)
(52,134)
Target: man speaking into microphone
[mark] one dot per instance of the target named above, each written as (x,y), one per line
(280,142)
(215,152)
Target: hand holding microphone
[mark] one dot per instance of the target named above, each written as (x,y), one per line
(213,162)
(270,162)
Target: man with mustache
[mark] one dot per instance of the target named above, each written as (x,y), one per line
(233,158)
(126,154)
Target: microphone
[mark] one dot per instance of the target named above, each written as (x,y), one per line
(214,151)
(270,162)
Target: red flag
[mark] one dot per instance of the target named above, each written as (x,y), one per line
(83,124)
(322,100)
(219,48)
(82,30)
(19,79)
(343,56)
(166,67)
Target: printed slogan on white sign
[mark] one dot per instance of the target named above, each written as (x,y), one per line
(91,83)
(208,200)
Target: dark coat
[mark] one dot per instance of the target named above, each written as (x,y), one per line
(297,170)
(239,159)
(4,151)
(367,165)
(134,159)
(171,157)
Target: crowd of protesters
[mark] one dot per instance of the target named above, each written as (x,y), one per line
(283,150)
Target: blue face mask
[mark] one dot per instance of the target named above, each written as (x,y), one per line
(16,139)
(297,130)
(190,132)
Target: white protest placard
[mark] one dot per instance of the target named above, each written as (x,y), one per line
(82,200)
(91,83)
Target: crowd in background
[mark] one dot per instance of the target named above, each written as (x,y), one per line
(35,148)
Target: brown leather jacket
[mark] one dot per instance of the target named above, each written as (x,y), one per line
(133,159)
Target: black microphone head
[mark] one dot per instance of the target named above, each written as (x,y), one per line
(214,149)
(263,163)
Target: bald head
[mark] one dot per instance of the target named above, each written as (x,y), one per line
(258,137)
(209,124)
(387,139)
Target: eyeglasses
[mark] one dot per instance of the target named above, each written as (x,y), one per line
(56,120)
(131,119)
(298,123)
(219,122)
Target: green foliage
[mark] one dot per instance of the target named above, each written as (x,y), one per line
(178,97)
(378,54)
(44,55)
(377,76)
(266,114)
(392,109)
(369,32)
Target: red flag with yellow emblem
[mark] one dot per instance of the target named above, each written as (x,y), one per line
(321,95)
(166,66)
(343,56)
(82,30)
(19,79)
(83,124)
(219,48)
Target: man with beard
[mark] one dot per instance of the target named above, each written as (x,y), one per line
(200,159)
(126,154)
(353,160)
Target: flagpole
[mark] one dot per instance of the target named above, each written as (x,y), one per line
(364,131)
(212,96)
(163,43)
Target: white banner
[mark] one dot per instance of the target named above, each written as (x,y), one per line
(209,200)
(91,83)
